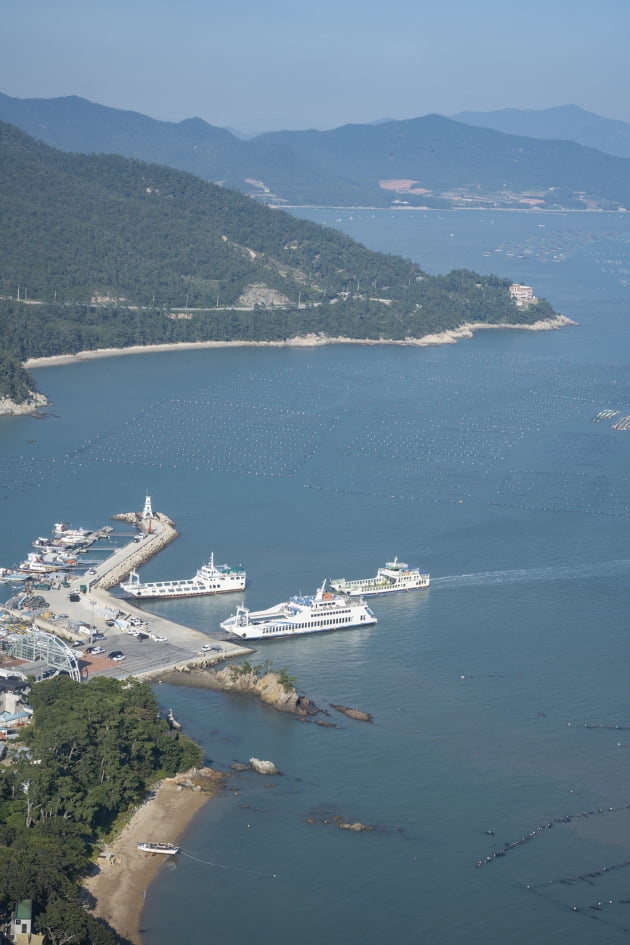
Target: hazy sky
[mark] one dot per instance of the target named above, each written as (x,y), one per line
(271,64)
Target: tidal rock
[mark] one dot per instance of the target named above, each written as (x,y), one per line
(263,767)
(357,714)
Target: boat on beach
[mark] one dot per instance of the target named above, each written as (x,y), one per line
(395,576)
(315,613)
(147,846)
(209,579)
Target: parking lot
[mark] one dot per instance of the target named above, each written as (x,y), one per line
(81,612)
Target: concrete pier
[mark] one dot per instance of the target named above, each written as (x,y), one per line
(146,658)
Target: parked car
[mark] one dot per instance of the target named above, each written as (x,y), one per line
(98,636)
(74,598)
(116,655)
(97,650)
(158,638)
(207,647)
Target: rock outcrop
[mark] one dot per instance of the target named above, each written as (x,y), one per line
(357,714)
(268,688)
(33,403)
(263,767)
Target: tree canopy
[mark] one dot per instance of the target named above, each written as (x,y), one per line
(93,750)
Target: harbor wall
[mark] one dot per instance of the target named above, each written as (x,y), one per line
(153,542)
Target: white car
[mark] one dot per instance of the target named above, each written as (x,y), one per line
(207,647)
(158,638)
(97,650)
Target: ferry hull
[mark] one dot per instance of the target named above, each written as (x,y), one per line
(208,580)
(366,591)
(145,593)
(270,634)
(319,613)
(395,576)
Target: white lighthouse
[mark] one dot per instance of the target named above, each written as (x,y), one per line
(147,512)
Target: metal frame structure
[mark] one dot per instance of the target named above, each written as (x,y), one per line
(38,645)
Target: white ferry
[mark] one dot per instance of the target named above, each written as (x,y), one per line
(395,576)
(313,614)
(209,579)
(148,847)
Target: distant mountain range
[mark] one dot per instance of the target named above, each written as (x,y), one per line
(431,161)
(565,123)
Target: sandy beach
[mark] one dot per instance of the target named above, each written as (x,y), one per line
(303,341)
(124,873)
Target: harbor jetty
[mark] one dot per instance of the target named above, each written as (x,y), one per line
(161,533)
(130,641)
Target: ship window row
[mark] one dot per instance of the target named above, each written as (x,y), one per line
(307,625)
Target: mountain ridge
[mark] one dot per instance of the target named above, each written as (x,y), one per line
(562,122)
(442,163)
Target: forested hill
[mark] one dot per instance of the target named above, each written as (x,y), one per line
(104,251)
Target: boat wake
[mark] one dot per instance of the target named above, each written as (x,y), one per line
(522,575)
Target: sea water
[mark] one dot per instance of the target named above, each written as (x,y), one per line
(495,771)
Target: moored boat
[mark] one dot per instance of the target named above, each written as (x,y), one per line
(147,846)
(395,576)
(35,564)
(316,613)
(209,579)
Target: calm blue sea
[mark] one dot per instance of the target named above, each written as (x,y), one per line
(499,696)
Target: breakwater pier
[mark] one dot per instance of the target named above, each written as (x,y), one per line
(85,613)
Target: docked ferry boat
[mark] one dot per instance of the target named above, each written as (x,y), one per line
(209,579)
(395,576)
(312,614)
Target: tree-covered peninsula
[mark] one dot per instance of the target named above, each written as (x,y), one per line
(91,752)
(102,251)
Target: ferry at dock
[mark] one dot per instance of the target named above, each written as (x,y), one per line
(395,576)
(209,579)
(316,613)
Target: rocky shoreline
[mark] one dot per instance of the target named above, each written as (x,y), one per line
(36,402)
(450,336)
(32,405)
(268,686)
